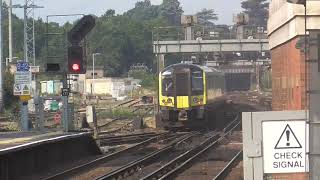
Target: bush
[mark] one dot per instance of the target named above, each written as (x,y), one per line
(10,101)
(123,113)
(148,80)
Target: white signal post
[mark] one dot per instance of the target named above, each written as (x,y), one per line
(93,64)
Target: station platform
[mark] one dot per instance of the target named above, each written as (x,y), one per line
(15,141)
(24,154)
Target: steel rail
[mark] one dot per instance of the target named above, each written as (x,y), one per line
(231,124)
(96,162)
(117,129)
(174,167)
(126,139)
(183,159)
(126,136)
(108,123)
(126,102)
(224,172)
(135,165)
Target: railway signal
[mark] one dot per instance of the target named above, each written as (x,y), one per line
(81,29)
(76,61)
(76,64)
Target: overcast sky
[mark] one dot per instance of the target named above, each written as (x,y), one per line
(224,8)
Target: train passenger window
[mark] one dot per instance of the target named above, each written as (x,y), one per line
(197,82)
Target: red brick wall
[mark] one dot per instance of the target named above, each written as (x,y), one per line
(288,86)
(288,77)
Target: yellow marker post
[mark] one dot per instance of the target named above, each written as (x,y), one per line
(25,98)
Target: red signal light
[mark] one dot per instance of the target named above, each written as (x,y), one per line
(75,67)
(76,62)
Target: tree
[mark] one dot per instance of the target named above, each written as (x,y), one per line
(123,41)
(8,98)
(257,11)
(143,4)
(206,16)
(109,13)
(172,10)
(143,11)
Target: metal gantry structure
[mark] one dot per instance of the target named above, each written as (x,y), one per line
(29,33)
(29,47)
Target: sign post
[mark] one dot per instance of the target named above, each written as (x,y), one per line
(22,88)
(284,146)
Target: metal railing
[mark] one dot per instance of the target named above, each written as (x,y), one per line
(218,32)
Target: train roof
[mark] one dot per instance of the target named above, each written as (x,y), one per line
(204,68)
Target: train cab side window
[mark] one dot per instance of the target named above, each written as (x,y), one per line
(197,83)
(167,86)
(167,83)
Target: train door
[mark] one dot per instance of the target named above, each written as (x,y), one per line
(182,85)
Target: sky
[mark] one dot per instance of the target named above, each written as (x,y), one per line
(224,8)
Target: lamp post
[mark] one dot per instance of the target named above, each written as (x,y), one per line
(93,61)
(93,75)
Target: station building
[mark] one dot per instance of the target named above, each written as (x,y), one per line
(290,69)
(286,30)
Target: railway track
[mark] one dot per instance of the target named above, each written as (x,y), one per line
(124,103)
(125,139)
(213,161)
(116,159)
(174,160)
(114,126)
(137,168)
(161,156)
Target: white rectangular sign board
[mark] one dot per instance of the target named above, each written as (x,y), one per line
(284,146)
(22,83)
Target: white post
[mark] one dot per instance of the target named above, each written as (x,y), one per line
(93,66)
(10,31)
(93,75)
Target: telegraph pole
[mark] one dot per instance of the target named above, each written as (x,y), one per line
(10,30)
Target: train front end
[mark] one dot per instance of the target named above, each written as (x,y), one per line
(182,94)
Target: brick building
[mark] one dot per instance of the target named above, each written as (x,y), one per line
(286,29)
(286,39)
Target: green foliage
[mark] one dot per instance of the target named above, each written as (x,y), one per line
(172,10)
(148,80)
(9,99)
(257,11)
(122,113)
(206,16)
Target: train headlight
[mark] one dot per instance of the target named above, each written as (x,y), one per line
(169,100)
(195,100)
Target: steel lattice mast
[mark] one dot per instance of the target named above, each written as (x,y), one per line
(29,34)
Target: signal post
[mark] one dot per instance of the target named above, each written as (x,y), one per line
(76,61)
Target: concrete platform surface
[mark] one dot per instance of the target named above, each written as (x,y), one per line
(15,141)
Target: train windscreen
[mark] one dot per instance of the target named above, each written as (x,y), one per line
(182,80)
(197,83)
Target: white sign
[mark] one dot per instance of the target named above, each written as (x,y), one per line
(22,83)
(35,69)
(284,146)
(22,89)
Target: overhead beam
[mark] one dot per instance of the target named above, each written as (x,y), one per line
(196,46)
